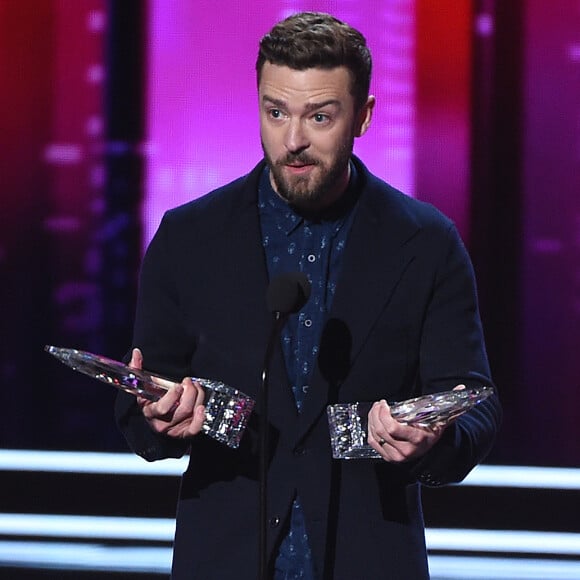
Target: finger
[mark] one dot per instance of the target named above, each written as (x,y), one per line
(166,406)
(378,413)
(189,416)
(373,418)
(385,426)
(387,448)
(394,440)
(136,359)
(378,417)
(376,432)
(143,401)
(391,454)
(197,421)
(404,445)
(193,395)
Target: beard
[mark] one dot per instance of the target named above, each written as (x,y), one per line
(314,191)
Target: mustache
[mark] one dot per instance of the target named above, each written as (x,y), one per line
(302,158)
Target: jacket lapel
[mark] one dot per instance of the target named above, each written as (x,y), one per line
(251,283)
(374,262)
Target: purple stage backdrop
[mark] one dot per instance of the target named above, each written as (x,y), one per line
(202,105)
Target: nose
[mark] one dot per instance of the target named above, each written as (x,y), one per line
(296,139)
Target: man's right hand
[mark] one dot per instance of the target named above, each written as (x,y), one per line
(179,413)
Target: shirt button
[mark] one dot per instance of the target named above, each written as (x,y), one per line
(274,522)
(312,258)
(308,323)
(299,451)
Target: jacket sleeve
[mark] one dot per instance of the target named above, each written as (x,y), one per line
(161,335)
(453,352)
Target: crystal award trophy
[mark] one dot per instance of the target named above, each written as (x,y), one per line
(348,422)
(226,409)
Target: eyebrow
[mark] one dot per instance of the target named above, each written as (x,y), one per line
(309,107)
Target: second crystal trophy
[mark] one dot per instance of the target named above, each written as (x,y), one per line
(348,421)
(227,410)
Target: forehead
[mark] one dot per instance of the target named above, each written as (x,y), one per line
(313,84)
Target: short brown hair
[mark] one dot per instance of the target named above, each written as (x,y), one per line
(317,40)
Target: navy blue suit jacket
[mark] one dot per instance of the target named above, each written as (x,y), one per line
(404,322)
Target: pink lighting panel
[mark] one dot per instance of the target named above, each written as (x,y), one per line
(202,126)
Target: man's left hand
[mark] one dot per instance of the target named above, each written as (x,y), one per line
(395,441)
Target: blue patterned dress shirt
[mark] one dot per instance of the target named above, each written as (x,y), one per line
(315,247)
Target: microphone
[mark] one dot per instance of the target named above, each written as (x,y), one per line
(286,294)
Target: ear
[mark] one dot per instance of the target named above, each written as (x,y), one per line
(365,116)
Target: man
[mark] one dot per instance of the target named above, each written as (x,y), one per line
(393,315)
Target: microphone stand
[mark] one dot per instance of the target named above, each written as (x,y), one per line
(286,294)
(279,320)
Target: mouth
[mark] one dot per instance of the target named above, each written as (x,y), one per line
(299,167)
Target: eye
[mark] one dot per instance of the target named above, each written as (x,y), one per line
(275,113)
(320,118)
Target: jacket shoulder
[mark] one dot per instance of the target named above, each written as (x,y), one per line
(217,202)
(389,199)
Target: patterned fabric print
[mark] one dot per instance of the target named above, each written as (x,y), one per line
(294,561)
(291,244)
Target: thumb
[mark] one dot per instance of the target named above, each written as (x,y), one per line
(136,359)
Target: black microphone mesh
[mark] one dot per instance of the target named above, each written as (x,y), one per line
(287,293)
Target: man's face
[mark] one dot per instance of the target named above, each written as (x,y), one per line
(308,123)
